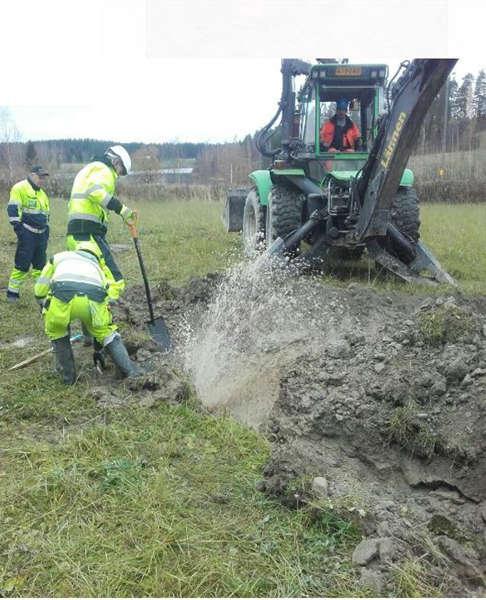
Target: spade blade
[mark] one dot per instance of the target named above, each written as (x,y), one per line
(159,333)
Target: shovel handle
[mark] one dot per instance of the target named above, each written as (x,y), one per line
(132,225)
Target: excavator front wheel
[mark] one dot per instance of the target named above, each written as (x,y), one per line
(284,212)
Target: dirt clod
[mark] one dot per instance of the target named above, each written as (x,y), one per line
(365,552)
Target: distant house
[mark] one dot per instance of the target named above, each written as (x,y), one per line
(178,175)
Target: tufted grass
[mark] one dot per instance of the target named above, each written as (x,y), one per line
(144,502)
(162,502)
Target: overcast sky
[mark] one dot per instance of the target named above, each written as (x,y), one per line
(185,70)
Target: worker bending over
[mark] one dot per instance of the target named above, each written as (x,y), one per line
(77,285)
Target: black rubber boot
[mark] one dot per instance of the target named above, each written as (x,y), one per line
(64,360)
(120,357)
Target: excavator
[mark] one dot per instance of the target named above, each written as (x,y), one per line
(314,201)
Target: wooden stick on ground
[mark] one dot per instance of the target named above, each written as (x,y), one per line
(32,359)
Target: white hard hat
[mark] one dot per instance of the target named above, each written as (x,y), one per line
(120,152)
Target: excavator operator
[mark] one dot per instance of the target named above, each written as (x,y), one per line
(339,134)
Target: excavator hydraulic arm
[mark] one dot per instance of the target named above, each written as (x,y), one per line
(412,96)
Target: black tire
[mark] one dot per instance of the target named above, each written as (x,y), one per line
(405,215)
(253,225)
(284,212)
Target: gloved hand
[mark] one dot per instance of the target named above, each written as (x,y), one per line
(17,226)
(127,214)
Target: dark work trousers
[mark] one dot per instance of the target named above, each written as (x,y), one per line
(31,251)
(108,256)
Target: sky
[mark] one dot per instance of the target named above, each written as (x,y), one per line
(185,70)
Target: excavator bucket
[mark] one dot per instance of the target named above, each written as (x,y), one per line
(416,271)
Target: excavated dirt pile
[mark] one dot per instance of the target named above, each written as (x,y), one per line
(374,404)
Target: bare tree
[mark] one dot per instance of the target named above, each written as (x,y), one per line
(11,155)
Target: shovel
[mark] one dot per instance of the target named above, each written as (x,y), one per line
(157,327)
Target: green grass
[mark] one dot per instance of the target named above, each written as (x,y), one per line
(455,235)
(443,324)
(162,502)
(159,502)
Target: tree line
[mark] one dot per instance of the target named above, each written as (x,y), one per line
(455,122)
(457,118)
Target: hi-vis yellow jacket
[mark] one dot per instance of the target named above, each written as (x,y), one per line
(92,195)
(28,205)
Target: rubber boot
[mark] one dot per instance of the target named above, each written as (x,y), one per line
(64,360)
(119,355)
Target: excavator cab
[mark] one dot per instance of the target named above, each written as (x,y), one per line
(364,88)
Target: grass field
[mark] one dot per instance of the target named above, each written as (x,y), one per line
(104,502)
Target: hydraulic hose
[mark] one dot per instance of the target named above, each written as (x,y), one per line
(262,139)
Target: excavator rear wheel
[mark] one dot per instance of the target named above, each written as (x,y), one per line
(405,216)
(284,212)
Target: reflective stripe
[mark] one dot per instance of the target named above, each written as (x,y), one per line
(93,188)
(43,281)
(14,290)
(33,229)
(83,216)
(78,278)
(109,338)
(14,219)
(86,194)
(33,211)
(13,202)
(106,200)
(73,266)
(79,256)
